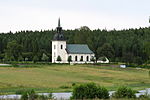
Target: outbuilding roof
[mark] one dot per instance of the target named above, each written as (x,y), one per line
(78,49)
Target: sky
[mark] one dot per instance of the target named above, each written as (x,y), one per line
(17,15)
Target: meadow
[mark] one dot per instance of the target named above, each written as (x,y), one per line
(61,78)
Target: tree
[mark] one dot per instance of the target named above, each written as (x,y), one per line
(127,57)
(69,59)
(27,56)
(59,59)
(147,49)
(93,59)
(35,59)
(106,50)
(20,58)
(138,60)
(45,57)
(13,51)
(2,56)
(134,41)
(85,28)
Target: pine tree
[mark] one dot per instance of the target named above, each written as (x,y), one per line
(35,58)
(69,59)
(59,58)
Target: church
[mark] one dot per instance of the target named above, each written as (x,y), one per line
(61,52)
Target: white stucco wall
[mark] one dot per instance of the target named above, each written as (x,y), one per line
(57,51)
(79,57)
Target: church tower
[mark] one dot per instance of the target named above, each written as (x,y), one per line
(59,45)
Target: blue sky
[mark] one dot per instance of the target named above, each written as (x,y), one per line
(16,15)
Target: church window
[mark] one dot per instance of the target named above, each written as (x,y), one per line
(61,46)
(81,58)
(87,58)
(76,58)
(54,46)
(54,54)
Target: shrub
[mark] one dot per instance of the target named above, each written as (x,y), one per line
(102,93)
(89,91)
(144,97)
(124,92)
(24,96)
(29,95)
(15,65)
(73,84)
(45,97)
(69,59)
(35,58)
(59,59)
(93,59)
(21,91)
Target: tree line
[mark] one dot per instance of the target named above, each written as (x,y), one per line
(128,45)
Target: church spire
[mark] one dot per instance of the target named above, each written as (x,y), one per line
(59,28)
(59,35)
(59,22)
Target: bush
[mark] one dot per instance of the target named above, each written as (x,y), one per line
(124,92)
(21,91)
(29,95)
(24,96)
(35,58)
(89,91)
(73,84)
(59,59)
(102,93)
(15,65)
(45,97)
(144,97)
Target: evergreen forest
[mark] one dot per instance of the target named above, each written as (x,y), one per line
(128,45)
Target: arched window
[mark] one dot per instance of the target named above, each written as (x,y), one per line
(81,59)
(87,58)
(54,46)
(61,46)
(76,58)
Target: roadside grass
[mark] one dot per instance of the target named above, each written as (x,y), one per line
(61,77)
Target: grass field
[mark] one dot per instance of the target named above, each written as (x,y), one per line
(58,78)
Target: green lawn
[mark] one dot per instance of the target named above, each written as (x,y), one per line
(58,78)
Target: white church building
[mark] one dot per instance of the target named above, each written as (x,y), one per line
(79,53)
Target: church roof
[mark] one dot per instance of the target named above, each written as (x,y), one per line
(78,49)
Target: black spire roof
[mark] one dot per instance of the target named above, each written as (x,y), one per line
(59,35)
